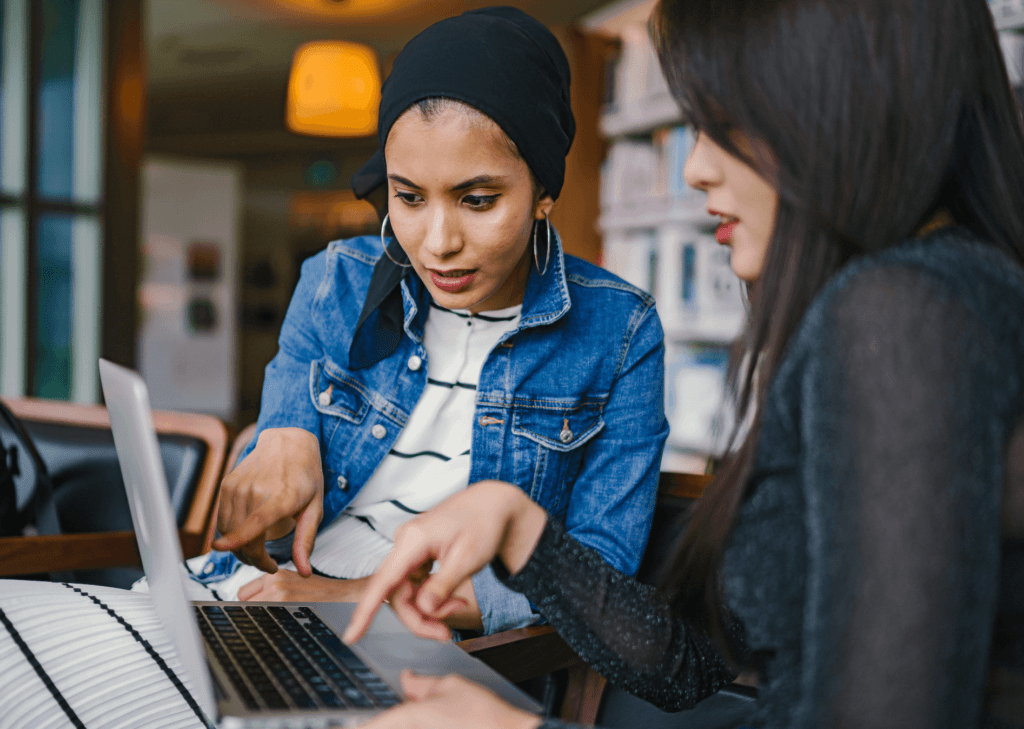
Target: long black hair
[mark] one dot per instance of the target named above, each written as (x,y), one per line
(878,114)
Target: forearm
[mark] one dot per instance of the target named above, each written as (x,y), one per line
(624,629)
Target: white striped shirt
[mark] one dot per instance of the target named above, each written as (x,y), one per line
(430,460)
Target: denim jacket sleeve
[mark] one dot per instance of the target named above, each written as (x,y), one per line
(613,497)
(501,608)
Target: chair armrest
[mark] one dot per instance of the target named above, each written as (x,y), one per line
(63,552)
(683,485)
(523,653)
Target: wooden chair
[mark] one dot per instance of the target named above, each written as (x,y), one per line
(74,438)
(526,653)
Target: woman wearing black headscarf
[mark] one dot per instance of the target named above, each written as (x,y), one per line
(459,346)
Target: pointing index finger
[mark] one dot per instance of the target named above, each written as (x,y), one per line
(253,527)
(391,574)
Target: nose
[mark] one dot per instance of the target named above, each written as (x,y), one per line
(442,238)
(701,171)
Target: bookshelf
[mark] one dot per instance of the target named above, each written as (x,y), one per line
(1009,14)
(657,234)
(649,115)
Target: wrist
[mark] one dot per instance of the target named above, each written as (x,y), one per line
(525,527)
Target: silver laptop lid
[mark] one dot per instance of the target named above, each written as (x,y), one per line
(148,497)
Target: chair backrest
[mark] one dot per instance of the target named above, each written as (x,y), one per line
(676,492)
(78,448)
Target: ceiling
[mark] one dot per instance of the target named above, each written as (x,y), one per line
(218,69)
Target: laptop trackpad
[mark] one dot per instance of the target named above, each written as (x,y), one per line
(392,653)
(396,652)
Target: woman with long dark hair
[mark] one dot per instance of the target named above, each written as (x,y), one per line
(862,549)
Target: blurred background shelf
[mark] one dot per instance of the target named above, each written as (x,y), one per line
(1008,14)
(657,234)
(649,115)
(713,330)
(653,212)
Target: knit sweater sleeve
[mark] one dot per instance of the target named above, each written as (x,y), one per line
(905,402)
(622,628)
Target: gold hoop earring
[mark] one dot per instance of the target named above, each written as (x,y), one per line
(547,258)
(384,244)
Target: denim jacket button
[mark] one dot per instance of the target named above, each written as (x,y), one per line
(342,483)
(378,431)
(565,436)
(415,363)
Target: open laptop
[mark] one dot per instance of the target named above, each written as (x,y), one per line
(263,664)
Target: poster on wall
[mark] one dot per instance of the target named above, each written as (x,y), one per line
(188,340)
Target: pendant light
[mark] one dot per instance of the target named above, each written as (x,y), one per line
(333,90)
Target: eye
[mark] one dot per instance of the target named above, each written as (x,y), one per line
(408,198)
(479,202)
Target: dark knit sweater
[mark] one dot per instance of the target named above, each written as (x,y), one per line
(866,567)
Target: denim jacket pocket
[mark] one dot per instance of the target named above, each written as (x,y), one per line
(559,428)
(547,469)
(335,393)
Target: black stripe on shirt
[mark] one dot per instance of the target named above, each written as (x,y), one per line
(366,520)
(157,658)
(481,317)
(38,668)
(403,507)
(432,454)
(320,573)
(450,385)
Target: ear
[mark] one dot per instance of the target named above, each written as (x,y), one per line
(542,208)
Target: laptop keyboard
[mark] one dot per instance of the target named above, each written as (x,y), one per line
(280,658)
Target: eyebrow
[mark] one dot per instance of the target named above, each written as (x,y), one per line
(478,180)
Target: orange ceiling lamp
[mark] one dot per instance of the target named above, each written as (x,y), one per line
(349,10)
(334,90)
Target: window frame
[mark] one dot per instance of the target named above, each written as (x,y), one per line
(22,206)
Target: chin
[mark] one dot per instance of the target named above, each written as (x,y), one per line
(460,301)
(746,269)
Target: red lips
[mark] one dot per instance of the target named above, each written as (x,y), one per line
(451,284)
(723,233)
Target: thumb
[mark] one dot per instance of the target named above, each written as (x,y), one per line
(417,687)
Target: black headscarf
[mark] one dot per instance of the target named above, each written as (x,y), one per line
(499,61)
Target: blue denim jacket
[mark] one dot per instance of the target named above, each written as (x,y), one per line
(570,405)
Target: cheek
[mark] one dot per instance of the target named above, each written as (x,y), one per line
(405,227)
(505,237)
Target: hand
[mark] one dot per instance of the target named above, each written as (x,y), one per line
(464,533)
(288,586)
(447,701)
(277,487)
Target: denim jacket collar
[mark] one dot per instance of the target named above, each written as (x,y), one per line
(546,299)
